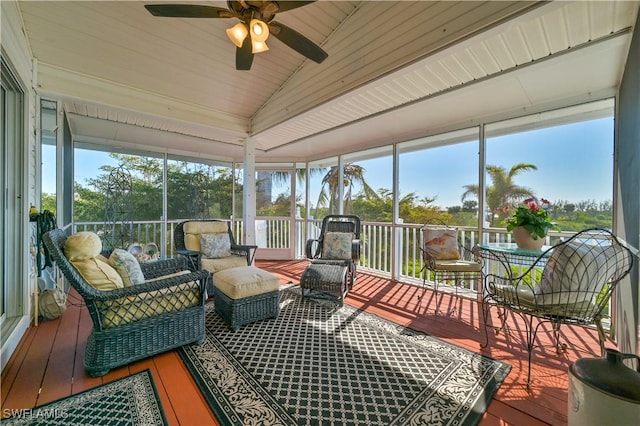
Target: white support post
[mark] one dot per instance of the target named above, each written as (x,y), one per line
(249,192)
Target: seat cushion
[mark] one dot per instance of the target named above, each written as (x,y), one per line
(246,281)
(521,295)
(217,265)
(458,266)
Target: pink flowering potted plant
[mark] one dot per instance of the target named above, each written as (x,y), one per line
(530,223)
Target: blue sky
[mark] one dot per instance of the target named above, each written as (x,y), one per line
(575,163)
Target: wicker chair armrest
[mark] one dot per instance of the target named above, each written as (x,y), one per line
(355,250)
(244,250)
(162,267)
(312,248)
(193,258)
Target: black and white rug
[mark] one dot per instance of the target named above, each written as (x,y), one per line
(319,364)
(132,401)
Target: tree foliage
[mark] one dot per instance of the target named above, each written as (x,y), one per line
(193,190)
(200,190)
(503,191)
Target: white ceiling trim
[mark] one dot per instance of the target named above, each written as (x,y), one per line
(484,56)
(508,95)
(70,85)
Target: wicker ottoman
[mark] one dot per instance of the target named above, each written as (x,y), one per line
(325,278)
(245,294)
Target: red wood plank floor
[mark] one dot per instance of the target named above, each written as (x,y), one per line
(47,364)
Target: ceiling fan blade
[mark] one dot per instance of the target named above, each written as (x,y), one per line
(244,56)
(236,6)
(283,6)
(297,41)
(188,11)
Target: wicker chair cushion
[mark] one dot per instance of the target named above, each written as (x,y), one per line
(193,231)
(147,305)
(127,267)
(337,245)
(217,265)
(576,273)
(100,275)
(206,227)
(441,242)
(82,245)
(215,246)
(238,283)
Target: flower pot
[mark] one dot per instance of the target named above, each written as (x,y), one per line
(525,241)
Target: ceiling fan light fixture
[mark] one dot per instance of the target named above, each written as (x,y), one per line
(259,30)
(237,33)
(258,46)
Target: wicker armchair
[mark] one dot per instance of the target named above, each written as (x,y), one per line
(570,283)
(334,258)
(187,237)
(140,320)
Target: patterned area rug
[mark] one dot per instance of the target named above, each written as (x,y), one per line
(322,364)
(132,400)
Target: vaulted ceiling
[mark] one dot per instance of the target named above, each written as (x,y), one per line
(395,70)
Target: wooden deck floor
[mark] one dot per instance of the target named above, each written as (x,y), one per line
(47,364)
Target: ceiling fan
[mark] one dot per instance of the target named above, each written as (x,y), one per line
(256,23)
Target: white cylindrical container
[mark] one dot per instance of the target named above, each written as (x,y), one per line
(603,391)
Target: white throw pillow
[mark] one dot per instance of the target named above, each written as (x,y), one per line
(127,266)
(215,246)
(575,273)
(337,245)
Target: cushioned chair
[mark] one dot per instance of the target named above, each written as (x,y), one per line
(445,260)
(570,283)
(209,244)
(334,257)
(159,307)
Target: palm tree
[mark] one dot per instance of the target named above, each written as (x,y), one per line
(353,174)
(504,191)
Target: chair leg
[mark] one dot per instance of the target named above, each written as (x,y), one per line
(602,337)
(485,315)
(531,332)
(424,272)
(560,347)
(531,337)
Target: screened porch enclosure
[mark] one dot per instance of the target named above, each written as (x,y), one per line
(447,176)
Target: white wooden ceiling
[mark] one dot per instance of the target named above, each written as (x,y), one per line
(395,70)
